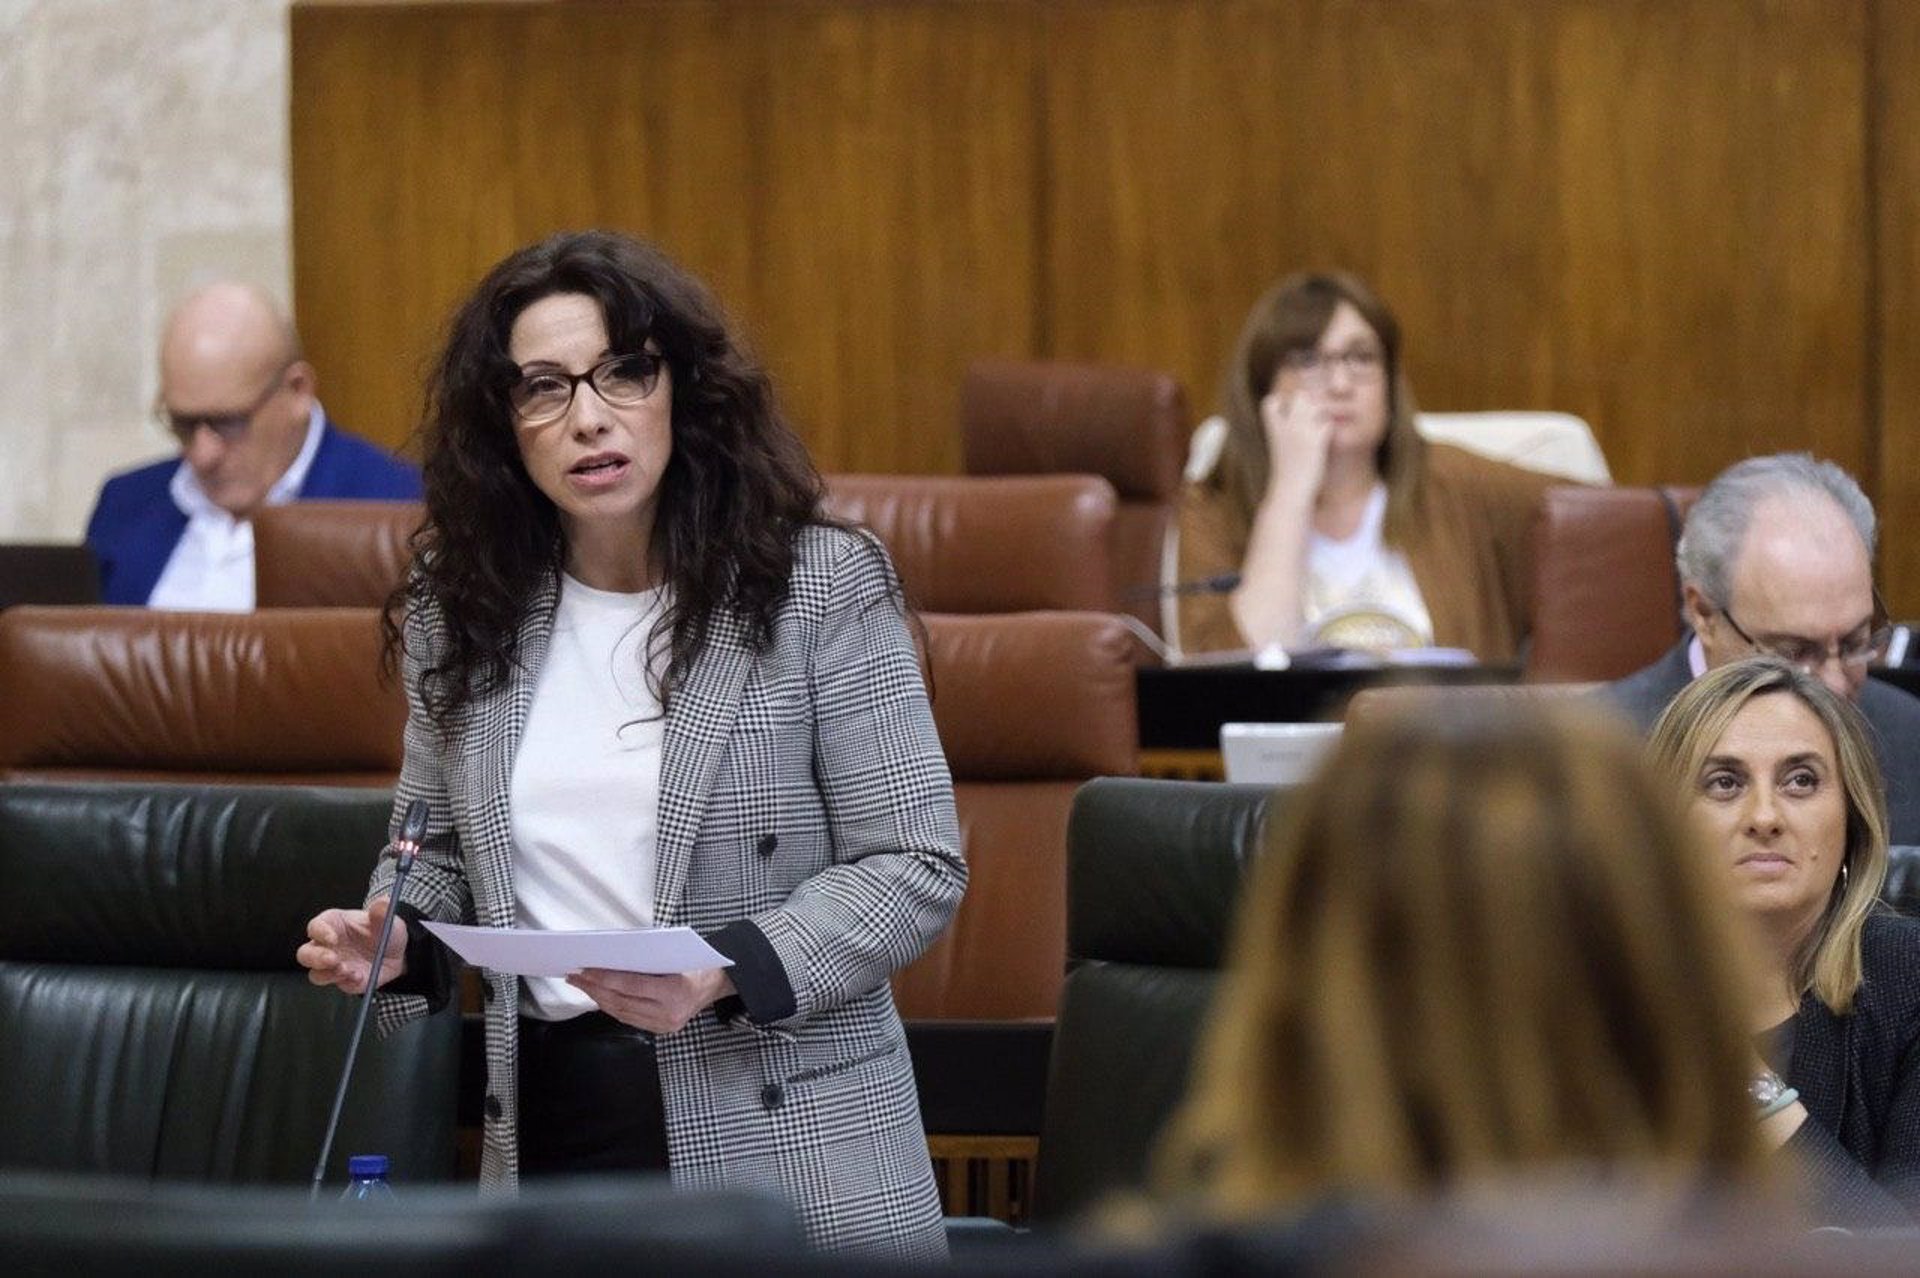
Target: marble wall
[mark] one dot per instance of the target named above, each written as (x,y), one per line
(143,149)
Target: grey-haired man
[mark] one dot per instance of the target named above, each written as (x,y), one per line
(1777,557)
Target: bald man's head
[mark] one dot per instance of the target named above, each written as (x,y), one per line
(236,391)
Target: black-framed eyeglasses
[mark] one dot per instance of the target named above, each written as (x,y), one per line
(1856,651)
(620,380)
(1363,363)
(228,427)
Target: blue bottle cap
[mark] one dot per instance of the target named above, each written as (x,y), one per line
(367,1165)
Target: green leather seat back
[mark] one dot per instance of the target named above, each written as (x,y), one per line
(1154,870)
(153,1022)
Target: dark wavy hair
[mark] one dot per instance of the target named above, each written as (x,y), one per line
(738,487)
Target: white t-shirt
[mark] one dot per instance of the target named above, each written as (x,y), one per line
(211,568)
(1361,593)
(585,793)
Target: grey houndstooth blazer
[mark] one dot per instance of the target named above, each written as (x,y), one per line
(803,789)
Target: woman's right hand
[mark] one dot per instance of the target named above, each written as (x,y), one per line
(1298,433)
(340,944)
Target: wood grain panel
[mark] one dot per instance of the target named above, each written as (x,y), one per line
(1650,214)
(1894,45)
(855,182)
(1693,222)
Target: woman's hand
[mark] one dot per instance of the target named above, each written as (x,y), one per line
(1299,433)
(658,1004)
(340,944)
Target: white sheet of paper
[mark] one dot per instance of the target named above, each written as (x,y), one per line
(659,951)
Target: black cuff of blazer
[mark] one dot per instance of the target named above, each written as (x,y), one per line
(760,984)
(429,970)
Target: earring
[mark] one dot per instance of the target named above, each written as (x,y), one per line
(1843,877)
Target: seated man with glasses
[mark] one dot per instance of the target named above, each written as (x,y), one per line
(237,395)
(1777,557)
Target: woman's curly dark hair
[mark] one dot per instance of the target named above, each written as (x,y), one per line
(737,488)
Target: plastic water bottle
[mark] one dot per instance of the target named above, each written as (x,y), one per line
(367,1180)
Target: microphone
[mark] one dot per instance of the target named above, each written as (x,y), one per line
(1221,583)
(413,830)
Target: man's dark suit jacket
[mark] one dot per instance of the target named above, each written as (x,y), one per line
(1893,714)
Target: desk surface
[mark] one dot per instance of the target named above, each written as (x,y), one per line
(1182,708)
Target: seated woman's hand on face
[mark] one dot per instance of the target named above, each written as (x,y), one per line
(340,945)
(657,1004)
(1298,430)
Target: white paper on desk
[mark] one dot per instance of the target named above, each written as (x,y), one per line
(522,951)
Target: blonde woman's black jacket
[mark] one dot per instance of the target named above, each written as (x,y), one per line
(1859,1077)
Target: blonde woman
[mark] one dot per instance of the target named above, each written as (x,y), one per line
(1474,948)
(1342,525)
(1780,773)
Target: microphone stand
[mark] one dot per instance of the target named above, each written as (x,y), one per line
(1218,584)
(413,828)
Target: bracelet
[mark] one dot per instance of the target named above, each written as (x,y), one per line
(1786,1097)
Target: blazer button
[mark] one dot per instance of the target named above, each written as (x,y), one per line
(768,842)
(772,1095)
(493,1108)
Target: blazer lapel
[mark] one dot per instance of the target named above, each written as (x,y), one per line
(501,723)
(700,717)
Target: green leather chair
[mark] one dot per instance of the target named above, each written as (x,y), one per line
(153,1022)
(1154,870)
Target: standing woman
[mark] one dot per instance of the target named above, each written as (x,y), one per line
(1344,525)
(650,685)
(1780,774)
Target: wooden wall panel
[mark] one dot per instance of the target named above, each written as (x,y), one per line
(1650,214)
(1694,222)
(855,182)
(1895,354)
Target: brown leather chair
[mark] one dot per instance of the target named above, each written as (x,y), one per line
(1127,425)
(1606,596)
(332,554)
(968,544)
(289,696)
(1028,706)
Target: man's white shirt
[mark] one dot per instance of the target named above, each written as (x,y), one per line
(211,570)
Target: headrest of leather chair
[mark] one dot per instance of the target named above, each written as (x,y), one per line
(1154,868)
(1375,703)
(289,691)
(1606,597)
(332,554)
(1033,696)
(1034,417)
(178,876)
(967,543)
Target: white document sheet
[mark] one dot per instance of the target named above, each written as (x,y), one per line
(659,951)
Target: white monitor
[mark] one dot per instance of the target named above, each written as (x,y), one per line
(1275,753)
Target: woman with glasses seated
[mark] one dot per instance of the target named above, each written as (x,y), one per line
(650,684)
(1779,774)
(1334,521)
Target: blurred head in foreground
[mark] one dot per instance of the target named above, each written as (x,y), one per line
(1474,948)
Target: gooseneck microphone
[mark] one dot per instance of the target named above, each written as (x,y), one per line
(413,830)
(1221,583)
